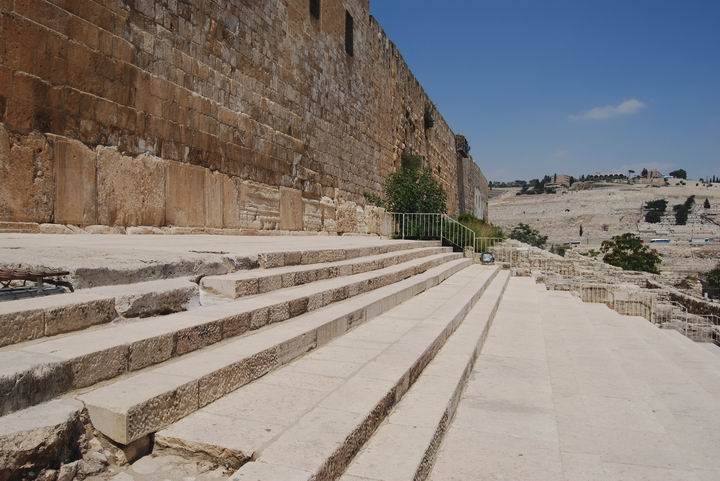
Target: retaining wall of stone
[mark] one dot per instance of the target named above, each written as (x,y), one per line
(217,114)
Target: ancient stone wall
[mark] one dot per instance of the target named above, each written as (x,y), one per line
(216,114)
(473,188)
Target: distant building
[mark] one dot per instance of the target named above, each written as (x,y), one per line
(562,180)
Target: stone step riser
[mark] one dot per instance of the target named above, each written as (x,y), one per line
(234,288)
(295,258)
(31,324)
(38,384)
(162,409)
(332,467)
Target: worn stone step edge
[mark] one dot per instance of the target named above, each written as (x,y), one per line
(165,394)
(260,281)
(156,340)
(39,437)
(332,467)
(293,258)
(438,389)
(34,318)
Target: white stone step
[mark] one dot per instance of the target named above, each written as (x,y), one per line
(133,407)
(37,317)
(309,418)
(317,256)
(405,445)
(505,427)
(259,281)
(35,372)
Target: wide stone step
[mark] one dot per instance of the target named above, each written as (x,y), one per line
(308,419)
(133,407)
(33,318)
(405,446)
(35,372)
(259,281)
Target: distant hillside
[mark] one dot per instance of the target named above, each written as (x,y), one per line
(606,210)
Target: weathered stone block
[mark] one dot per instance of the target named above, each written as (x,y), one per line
(312,215)
(197,337)
(185,191)
(261,205)
(76,189)
(74,317)
(215,198)
(150,351)
(131,191)
(291,209)
(21,326)
(26,178)
(41,437)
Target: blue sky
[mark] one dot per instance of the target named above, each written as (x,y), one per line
(569,86)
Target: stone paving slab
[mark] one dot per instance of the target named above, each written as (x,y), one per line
(321,438)
(602,397)
(141,404)
(84,358)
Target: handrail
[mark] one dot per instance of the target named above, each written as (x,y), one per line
(425,225)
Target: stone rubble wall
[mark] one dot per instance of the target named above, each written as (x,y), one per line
(474,188)
(208,115)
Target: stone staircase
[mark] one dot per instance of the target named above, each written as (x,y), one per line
(407,364)
(134,360)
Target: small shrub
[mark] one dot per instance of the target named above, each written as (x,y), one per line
(628,252)
(653,217)
(411,190)
(712,278)
(706,205)
(528,235)
(480,227)
(374,199)
(659,205)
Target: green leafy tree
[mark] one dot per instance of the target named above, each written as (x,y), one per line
(414,190)
(628,252)
(528,235)
(679,174)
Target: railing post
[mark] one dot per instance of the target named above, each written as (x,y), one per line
(403,226)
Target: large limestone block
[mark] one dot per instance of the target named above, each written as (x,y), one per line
(349,217)
(76,190)
(131,191)
(374,219)
(40,437)
(312,215)
(291,209)
(234,216)
(215,199)
(185,195)
(261,205)
(26,178)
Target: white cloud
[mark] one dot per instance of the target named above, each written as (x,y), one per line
(627,107)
